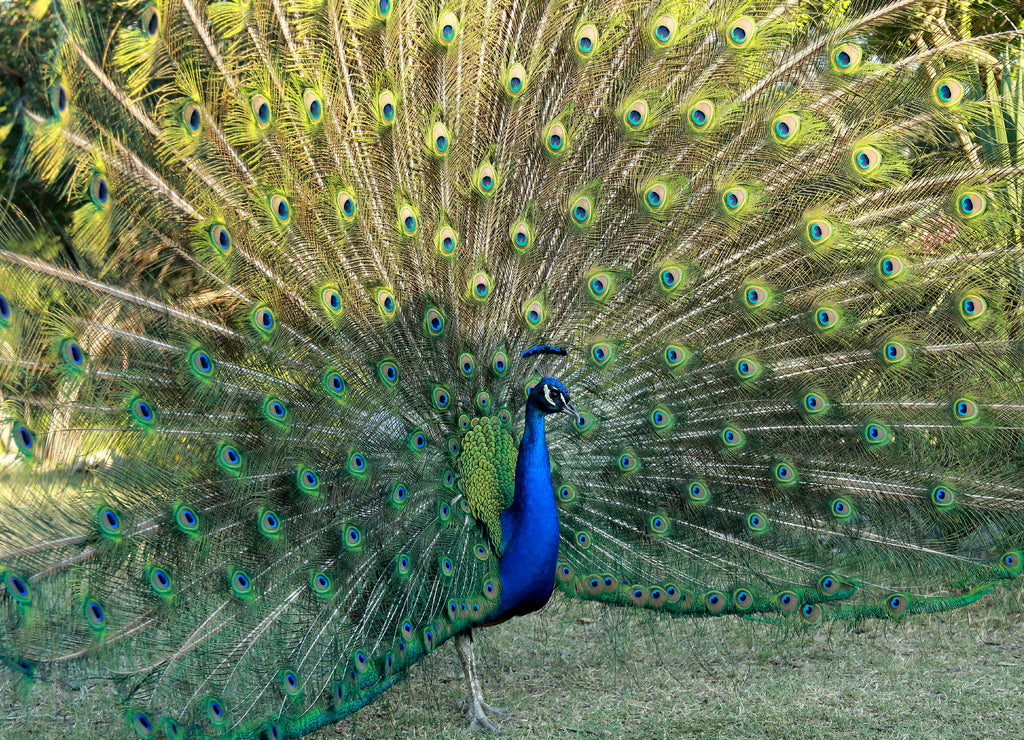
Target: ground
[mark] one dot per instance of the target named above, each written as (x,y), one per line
(578,670)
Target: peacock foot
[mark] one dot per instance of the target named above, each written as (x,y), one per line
(464,703)
(477,710)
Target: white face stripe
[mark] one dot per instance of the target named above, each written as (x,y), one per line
(547,394)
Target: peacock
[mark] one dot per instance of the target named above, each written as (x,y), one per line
(374,322)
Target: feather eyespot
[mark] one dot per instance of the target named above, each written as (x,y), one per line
(263,321)
(290,684)
(586,41)
(890,267)
(500,362)
(829,584)
(701,115)
(627,462)
(660,419)
(1012,561)
(159,580)
(220,237)
(434,322)
(439,139)
(99,193)
(819,231)
(635,116)
(215,711)
(18,588)
(353,538)
(675,356)
(600,286)
(663,31)
(308,481)
(386,107)
(95,615)
(658,525)
(715,602)
(785,129)
(109,522)
(970,205)
(972,307)
(447,29)
(58,99)
(942,496)
(486,180)
(515,80)
(440,397)
(555,138)
(417,441)
(142,725)
(521,235)
(732,438)
(747,369)
(192,117)
(229,458)
(948,92)
(876,434)
(847,58)
(334,384)
(743,599)
(787,602)
(896,605)
(826,318)
(407,220)
(356,464)
(72,354)
(581,209)
(535,313)
(346,205)
(280,208)
(965,410)
(446,240)
(697,492)
(734,200)
(150,21)
(741,33)
(866,160)
(755,296)
(841,509)
(186,519)
(260,107)
(811,613)
(25,439)
(784,473)
(314,108)
(757,523)
(269,523)
(241,584)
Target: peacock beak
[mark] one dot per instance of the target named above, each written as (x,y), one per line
(571,410)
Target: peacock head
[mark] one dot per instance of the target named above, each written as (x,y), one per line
(551,397)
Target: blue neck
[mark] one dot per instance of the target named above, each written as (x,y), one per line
(529,527)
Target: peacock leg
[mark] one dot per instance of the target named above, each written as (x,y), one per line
(476,708)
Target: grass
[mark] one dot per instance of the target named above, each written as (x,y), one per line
(579,670)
